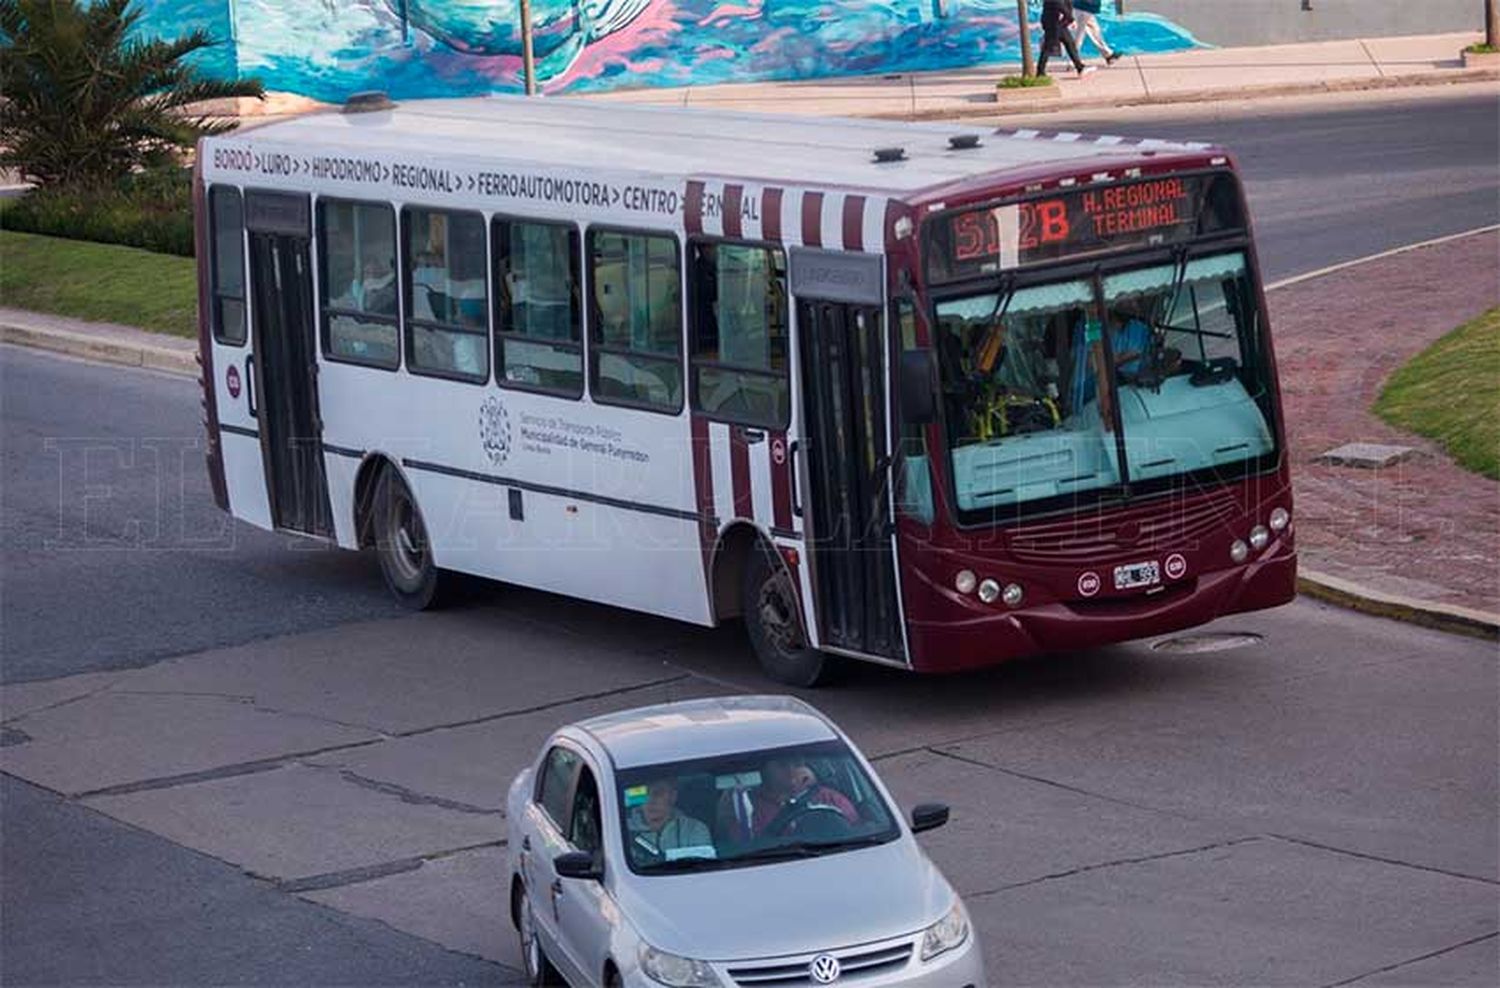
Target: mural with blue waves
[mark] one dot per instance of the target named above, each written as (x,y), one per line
(327,49)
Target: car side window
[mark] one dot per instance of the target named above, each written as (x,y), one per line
(557,784)
(585,828)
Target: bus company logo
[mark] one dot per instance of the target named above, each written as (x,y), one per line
(1175,566)
(494,429)
(1089,584)
(232,381)
(778,451)
(825,969)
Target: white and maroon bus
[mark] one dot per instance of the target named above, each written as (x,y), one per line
(911,394)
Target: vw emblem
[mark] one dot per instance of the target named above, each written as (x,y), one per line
(824,969)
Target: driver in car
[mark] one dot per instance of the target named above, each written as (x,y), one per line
(662,824)
(788,789)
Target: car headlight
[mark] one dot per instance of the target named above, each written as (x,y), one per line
(678,972)
(949,932)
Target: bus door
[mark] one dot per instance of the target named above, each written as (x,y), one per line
(847,452)
(284,339)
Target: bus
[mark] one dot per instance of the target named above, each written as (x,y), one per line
(919,395)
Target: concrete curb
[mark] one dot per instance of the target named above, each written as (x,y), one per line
(1015,104)
(169,360)
(1358,597)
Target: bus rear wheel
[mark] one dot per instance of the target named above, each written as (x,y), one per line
(773,620)
(402,546)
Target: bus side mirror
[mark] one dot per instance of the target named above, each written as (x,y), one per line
(918,387)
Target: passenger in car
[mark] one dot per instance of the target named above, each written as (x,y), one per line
(659,821)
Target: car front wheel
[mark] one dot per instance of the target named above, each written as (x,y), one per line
(539,970)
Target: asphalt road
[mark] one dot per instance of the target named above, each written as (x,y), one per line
(1316,808)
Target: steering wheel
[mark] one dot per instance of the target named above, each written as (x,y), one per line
(797,808)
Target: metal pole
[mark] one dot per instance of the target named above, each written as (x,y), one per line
(1028,67)
(528,64)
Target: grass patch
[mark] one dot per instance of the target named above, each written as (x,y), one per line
(1450,392)
(152,210)
(102,282)
(1480,48)
(1024,82)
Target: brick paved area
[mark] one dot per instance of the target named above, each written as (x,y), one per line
(1424,528)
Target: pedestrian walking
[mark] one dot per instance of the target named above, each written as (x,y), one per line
(1056,16)
(1086,13)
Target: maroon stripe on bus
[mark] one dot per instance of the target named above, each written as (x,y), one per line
(781,482)
(739,472)
(734,197)
(770,215)
(703,489)
(854,222)
(693,218)
(812,219)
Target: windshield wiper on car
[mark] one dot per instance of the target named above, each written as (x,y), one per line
(809,849)
(680,865)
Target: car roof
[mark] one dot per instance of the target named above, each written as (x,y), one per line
(672,732)
(681,141)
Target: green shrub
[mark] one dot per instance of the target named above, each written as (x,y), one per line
(1024,81)
(152,210)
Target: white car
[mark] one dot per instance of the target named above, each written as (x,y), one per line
(726,842)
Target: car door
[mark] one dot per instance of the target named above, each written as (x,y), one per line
(548,818)
(583,904)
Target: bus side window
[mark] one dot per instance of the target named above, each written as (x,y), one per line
(538,311)
(357,282)
(228,239)
(445,273)
(740,334)
(635,296)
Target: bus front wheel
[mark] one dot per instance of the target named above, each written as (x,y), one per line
(401,544)
(773,619)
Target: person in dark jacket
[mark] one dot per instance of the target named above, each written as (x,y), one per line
(1056,16)
(1087,23)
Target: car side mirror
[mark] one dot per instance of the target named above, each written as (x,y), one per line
(918,387)
(578,864)
(928,816)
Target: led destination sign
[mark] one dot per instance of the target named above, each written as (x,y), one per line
(1081,221)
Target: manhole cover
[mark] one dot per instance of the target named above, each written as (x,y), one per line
(1208,642)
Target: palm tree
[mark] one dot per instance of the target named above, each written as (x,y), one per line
(83,102)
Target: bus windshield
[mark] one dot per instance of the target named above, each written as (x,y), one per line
(1143,376)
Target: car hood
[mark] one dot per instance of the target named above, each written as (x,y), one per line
(789,907)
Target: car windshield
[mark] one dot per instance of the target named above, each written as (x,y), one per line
(1031,379)
(750,808)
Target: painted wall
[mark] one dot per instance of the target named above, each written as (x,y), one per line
(328,49)
(1271,22)
(173,18)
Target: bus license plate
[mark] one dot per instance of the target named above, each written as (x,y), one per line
(1137,575)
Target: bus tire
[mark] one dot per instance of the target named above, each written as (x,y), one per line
(402,546)
(774,623)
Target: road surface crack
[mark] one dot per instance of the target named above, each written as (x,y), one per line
(1059,785)
(370,873)
(1099,866)
(1413,960)
(412,796)
(549,705)
(1303,842)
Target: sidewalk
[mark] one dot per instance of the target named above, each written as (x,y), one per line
(1190,76)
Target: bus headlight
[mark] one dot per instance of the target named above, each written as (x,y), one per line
(964,581)
(1280,519)
(989,591)
(949,932)
(1260,537)
(677,972)
(1013,595)
(1239,551)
